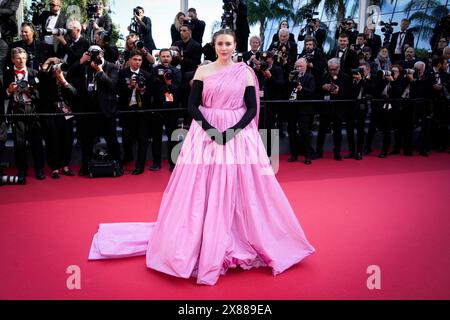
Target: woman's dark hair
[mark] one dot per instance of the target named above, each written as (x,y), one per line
(224,31)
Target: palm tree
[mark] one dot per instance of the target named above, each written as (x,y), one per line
(261,11)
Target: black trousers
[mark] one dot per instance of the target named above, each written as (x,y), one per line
(356,119)
(440,123)
(404,127)
(170,121)
(327,120)
(135,127)
(28,129)
(93,126)
(299,130)
(382,119)
(58,141)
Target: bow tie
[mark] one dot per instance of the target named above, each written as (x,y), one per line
(20,72)
(341,50)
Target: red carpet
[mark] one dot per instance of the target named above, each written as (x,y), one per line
(393,213)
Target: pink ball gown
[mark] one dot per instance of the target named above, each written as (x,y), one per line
(222,207)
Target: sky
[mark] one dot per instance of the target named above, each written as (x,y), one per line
(162,14)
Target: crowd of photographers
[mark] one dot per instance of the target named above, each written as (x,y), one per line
(63,65)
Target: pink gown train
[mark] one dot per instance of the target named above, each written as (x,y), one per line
(222,207)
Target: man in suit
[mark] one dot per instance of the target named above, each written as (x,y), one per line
(317,62)
(73,49)
(49,20)
(166,86)
(399,39)
(313,30)
(96,83)
(336,85)
(242,29)
(22,89)
(97,19)
(8,21)
(373,41)
(143,28)
(190,50)
(198,26)
(349,59)
(303,88)
(37,51)
(134,90)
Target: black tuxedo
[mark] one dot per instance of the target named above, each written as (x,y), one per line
(61,22)
(104,22)
(145,33)
(408,39)
(332,114)
(38,52)
(300,118)
(375,44)
(28,129)
(349,59)
(292,55)
(319,64)
(242,28)
(8,21)
(135,126)
(320,35)
(167,119)
(198,30)
(101,99)
(191,52)
(73,50)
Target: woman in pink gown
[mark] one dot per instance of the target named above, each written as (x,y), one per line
(223,206)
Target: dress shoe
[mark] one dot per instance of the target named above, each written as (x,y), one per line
(382,155)
(337,157)
(68,173)
(359,156)
(351,155)
(155,167)
(84,171)
(292,159)
(137,171)
(119,172)
(56,175)
(308,161)
(40,174)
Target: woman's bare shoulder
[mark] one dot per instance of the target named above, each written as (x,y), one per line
(202,72)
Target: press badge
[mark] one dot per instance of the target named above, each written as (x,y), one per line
(91,87)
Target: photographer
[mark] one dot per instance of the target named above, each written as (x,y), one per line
(439,88)
(313,29)
(51,20)
(8,21)
(142,26)
(441,30)
(409,59)
(315,58)
(133,42)
(37,51)
(383,61)
(235,17)
(364,89)
(73,49)
(96,82)
(390,86)
(349,59)
(176,25)
(57,96)
(190,50)
(102,39)
(399,39)
(336,85)
(303,87)
(167,82)
(373,41)
(22,89)
(198,26)
(251,56)
(283,25)
(284,51)
(346,27)
(97,19)
(135,94)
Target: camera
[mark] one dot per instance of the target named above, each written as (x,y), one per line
(136,11)
(37,5)
(281,52)
(92,8)
(96,56)
(105,36)
(294,77)
(414,72)
(227,17)
(140,80)
(22,84)
(262,58)
(60,32)
(309,16)
(385,73)
(64,67)
(165,74)
(139,44)
(240,57)
(357,71)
